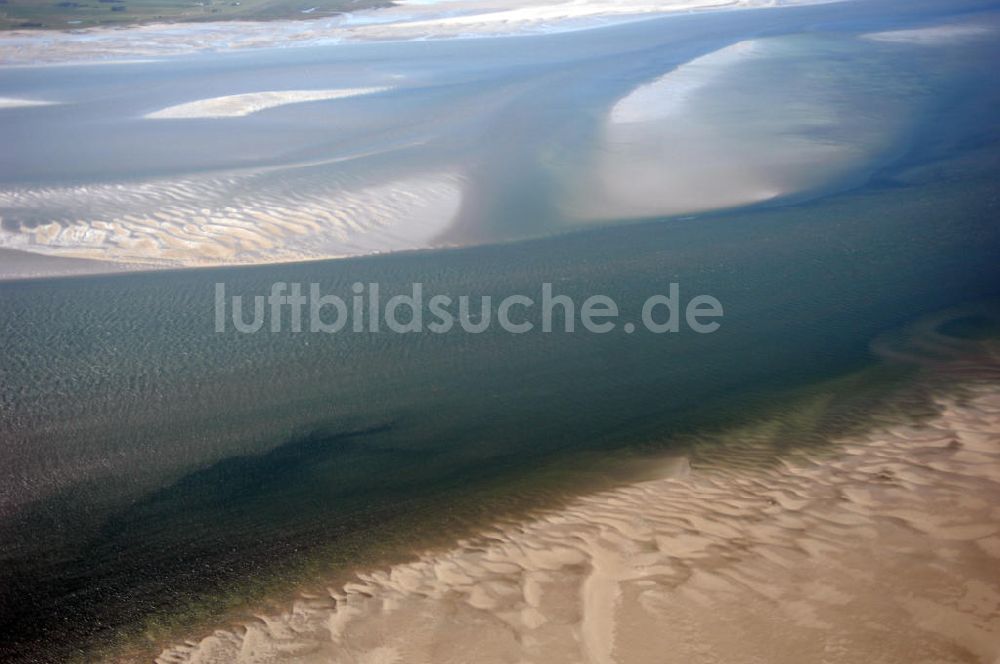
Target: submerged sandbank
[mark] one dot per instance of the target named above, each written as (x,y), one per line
(754,121)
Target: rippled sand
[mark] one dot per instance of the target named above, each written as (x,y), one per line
(883,547)
(236,106)
(229,218)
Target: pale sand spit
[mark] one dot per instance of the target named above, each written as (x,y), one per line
(13,102)
(672,92)
(241,105)
(881,548)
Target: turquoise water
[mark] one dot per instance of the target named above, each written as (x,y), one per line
(149,463)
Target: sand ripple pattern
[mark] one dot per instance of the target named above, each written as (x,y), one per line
(884,549)
(232,218)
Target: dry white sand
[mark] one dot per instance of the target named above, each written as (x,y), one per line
(235,106)
(230,218)
(883,548)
